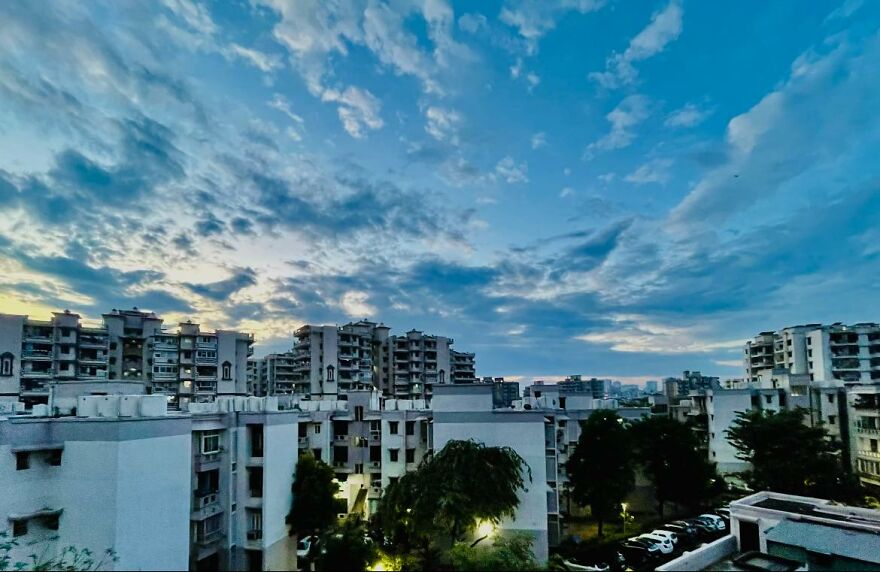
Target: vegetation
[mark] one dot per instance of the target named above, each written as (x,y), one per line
(670,455)
(68,559)
(601,469)
(315,505)
(466,482)
(775,443)
(346,547)
(514,553)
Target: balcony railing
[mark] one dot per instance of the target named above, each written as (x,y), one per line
(209,537)
(254,534)
(204,498)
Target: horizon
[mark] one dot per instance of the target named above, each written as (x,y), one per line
(583,186)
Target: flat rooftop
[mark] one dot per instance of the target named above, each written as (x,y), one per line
(752,561)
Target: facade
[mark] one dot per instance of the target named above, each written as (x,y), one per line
(164,490)
(129,346)
(837,352)
(863,404)
(773,531)
(362,355)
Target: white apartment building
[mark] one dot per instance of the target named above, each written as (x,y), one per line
(205,489)
(130,345)
(328,360)
(836,352)
(864,417)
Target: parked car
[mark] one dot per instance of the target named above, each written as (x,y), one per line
(662,542)
(715,520)
(673,538)
(704,528)
(305,546)
(637,552)
(689,528)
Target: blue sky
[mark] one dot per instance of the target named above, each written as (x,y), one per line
(603,187)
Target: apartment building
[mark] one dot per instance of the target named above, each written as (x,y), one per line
(774,531)
(129,345)
(850,354)
(328,360)
(864,416)
(165,490)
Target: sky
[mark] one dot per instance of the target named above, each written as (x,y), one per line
(605,187)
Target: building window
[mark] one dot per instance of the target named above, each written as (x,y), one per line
(394,454)
(19,528)
(22,461)
(6,361)
(832,419)
(410,427)
(55,457)
(227,370)
(317,428)
(331,373)
(769,399)
(393,427)
(442,376)
(211,443)
(52,522)
(410,455)
(830,398)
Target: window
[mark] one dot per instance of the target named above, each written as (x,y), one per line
(562,403)
(210,443)
(6,364)
(227,370)
(331,373)
(22,461)
(317,428)
(832,419)
(19,527)
(410,455)
(410,427)
(394,454)
(442,376)
(52,522)
(769,399)
(393,427)
(55,457)
(358,412)
(830,398)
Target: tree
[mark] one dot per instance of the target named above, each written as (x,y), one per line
(315,505)
(464,483)
(346,547)
(670,455)
(68,559)
(601,468)
(788,456)
(513,553)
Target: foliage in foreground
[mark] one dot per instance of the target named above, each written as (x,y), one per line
(68,559)
(601,469)
(315,505)
(429,509)
(788,456)
(346,547)
(512,553)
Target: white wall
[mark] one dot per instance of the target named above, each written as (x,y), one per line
(722,407)
(279,464)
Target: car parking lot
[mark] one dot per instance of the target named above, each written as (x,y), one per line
(650,549)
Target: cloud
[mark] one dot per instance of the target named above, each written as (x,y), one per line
(539,140)
(654,171)
(443,124)
(639,334)
(628,114)
(845,10)
(534,18)
(566,192)
(358,109)
(665,27)
(220,291)
(688,116)
(511,172)
(264,62)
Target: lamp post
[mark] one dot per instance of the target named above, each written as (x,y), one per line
(623,506)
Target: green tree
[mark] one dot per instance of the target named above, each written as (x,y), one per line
(513,553)
(346,547)
(669,453)
(68,559)
(464,483)
(788,456)
(315,505)
(601,470)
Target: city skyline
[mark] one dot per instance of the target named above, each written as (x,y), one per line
(628,207)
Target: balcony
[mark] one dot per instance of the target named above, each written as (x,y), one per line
(206,360)
(209,537)
(303,441)
(205,505)
(41,339)
(206,461)
(866,430)
(254,535)
(36,374)
(869,454)
(93,343)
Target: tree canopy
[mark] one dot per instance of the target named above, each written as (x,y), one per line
(670,455)
(513,553)
(450,492)
(315,505)
(788,456)
(600,470)
(346,547)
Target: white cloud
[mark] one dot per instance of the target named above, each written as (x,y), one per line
(509,171)
(472,23)
(358,109)
(665,27)
(688,116)
(654,171)
(607,177)
(566,192)
(443,124)
(539,140)
(534,18)
(728,362)
(356,304)
(628,114)
(639,334)
(845,10)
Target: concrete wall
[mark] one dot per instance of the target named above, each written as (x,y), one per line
(11,330)
(279,464)
(703,556)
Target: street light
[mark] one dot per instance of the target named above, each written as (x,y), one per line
(623,506)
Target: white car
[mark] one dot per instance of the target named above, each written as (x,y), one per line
(715,520)
(666,534)
(663,543)
(304,546)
